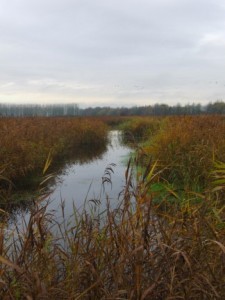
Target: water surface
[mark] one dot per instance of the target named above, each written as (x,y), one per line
(82,182)
(79,183)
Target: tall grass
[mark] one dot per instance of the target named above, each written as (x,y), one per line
(136,251)
(138,129)
(114,121)
(27,142)
(144,249)
(186,147)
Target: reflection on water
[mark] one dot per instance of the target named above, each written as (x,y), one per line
(81,179)
(19,205)
(86,155)
(82,182)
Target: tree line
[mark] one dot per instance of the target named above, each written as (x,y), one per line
(22,110)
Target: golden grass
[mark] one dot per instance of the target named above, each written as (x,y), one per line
(139,129)
(174,249)
(137,251)
(27,142)
(187,147)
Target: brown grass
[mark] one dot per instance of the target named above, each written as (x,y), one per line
(188,146)
(27,142)
(137,251)
(140,129)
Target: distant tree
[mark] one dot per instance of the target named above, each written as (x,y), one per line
(216,108)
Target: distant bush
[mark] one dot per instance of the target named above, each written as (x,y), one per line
(140,128)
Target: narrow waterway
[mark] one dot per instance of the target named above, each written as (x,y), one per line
(81,182)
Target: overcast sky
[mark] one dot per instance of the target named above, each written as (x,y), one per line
(112,52)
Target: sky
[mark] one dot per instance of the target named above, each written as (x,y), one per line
(112,52)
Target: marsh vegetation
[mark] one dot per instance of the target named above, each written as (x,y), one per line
(165,239)
(26,143)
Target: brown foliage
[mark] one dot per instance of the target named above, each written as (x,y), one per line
(26,142)
(136,251)
(187,146)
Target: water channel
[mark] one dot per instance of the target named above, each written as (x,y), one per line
(80,182)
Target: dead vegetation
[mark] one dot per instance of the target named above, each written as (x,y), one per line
(140,250)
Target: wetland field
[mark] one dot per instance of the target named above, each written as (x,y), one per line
(112,208)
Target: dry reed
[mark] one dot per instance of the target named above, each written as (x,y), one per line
(136,251)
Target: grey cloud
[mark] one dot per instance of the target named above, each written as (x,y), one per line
(169,47)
